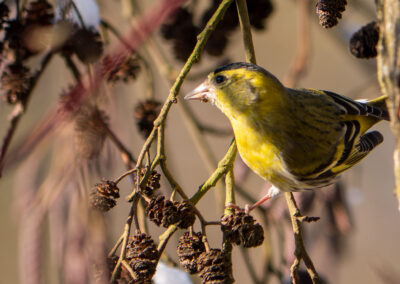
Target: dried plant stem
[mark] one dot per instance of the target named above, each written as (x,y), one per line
(389,71)
(20,109)
(300,252)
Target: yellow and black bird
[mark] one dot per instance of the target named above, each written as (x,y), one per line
(297,139)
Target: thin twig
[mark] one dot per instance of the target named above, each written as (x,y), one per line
(20,109)
(72,66)
(246,31)
(300,252)
(125,237)
(127,156)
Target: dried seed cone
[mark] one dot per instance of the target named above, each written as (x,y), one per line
(162,211)
(142,256)
(259,11)
(125,72)
(180,29)
(190,246)
(103,196)
(39,12)
(153,183)
(86,44)
(219,39)
(186,213)
(90,133)
(145,113)
(4,11)
(215,266)
(14,83)
(329,11)
(363,42)
(241,229)
(14,38)
(111,263)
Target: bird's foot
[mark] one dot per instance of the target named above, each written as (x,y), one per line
(234,206)
(247,208)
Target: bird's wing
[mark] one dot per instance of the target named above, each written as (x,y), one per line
(357,118)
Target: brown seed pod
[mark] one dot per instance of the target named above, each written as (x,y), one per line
(103,196)
(39,12)
(240,228)
(186,213)
(85,43)
(190,246)
(145,113)
(329,11)
(215,266)
(14,83)
(363,42)
(4,11)
(179,28)
(125,72)
(142,256)
(162,211)
(153,183)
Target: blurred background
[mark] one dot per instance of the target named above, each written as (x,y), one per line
(356,240)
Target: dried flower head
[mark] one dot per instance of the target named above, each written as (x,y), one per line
(240,228)
(145,113)
(103,195)
(215,266)
(142,256)
(329,11)
(90,133)
(15,83)
(190,246)
(363,42)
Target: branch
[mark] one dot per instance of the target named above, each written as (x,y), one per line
(246,31)
(389,71)
(20,109)
(300,252)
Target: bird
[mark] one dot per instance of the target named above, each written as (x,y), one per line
(295,138)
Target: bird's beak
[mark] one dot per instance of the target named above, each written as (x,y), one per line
(201,93)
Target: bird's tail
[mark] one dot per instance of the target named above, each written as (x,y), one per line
(380,104)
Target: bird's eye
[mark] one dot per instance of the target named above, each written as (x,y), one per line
(220,79)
